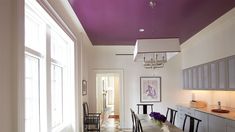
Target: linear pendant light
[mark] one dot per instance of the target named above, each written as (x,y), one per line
(155,52)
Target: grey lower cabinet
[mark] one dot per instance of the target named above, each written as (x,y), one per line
(203,126)
(230,126)
(181,115)
(216,75)
(209,123)
(217,124)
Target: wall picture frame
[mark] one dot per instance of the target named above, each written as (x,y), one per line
(84,87)
(150,89)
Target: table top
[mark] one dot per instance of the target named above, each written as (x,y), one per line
(144,104)
(149,125)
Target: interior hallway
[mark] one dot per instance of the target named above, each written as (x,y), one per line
(111,122)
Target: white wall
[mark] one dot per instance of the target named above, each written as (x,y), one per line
(214,42)
(103,57)
(5,66)
(8,55)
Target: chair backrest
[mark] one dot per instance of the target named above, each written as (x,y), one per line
(133,120)
(145,108)
(172,114)
(139,127)
(192,122)
(85,109)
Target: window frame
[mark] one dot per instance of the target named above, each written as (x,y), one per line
(47,58)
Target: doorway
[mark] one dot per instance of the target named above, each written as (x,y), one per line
(107,85)
(109,97)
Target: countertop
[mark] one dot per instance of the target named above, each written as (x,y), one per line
(230,115)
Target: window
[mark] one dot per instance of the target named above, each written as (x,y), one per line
(49,68)
(32,94)
(56,95)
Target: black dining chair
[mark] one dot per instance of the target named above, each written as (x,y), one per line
(172,114)
(145,108)
(192,122)
(133,121)
(91,121)
(139,127)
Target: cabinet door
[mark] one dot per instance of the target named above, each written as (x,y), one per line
(206,76)
(217,124)
(179,117)
(231,72)
(200,77)
(190,77)
(203,125)
(195,78)
(214,75)
(223,75)
(230,126)
(185,78)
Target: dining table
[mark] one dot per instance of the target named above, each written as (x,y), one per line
(150,125)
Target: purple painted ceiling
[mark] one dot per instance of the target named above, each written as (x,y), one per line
(117,22)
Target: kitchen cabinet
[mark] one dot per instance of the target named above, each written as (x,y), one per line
(231,72)
(203,125)
(209,123)
(190,78)
(185,79)
(230,126)
(200,77)
(217,124)
(195,77)
(215,75)
(222,74)
(206,76)
(181,115)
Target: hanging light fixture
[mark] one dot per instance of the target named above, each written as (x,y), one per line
(154,60)
(155,52)
(152,3)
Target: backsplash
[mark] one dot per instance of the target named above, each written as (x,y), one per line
(212,97)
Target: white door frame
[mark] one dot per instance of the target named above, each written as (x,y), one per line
(122,102)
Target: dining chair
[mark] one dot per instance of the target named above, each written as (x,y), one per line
(139,127)
(172,114)
(133,121)
(91,121)
(192,121)
(145,108)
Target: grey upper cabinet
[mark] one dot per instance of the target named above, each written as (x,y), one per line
(216,75)
(222,74)
(213,75)
(200,77)
(231,72)
(195,78)
(186,79)
(206,78)
(190,78)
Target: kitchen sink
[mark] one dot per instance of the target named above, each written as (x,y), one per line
(220,111)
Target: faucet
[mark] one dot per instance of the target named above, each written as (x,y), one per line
(219,105)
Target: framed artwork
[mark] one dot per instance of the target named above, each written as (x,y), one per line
(150,89)
(84,87)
